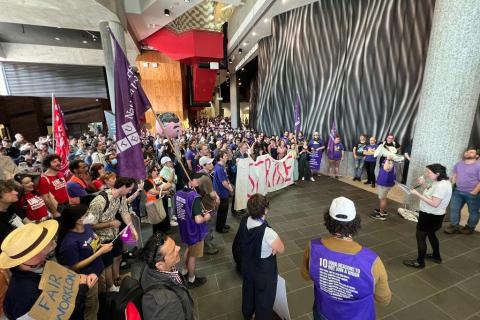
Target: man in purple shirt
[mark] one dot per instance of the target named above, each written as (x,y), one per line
(223,188)
(466,176)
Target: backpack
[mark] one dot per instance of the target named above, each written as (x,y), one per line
(113,305)
(86,200)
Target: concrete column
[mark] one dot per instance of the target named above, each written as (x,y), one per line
(109,54)
(451,87)
(234,101)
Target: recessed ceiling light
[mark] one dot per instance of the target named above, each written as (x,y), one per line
(254,33)
(85,41)
(166,12)
(245,44)
(145,64)
(240,51)
(266,20)
(284,1)
(239,83)
(154,65)
(243,69)
(187,0)
(58,39)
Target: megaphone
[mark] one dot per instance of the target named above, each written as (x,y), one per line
(385,151)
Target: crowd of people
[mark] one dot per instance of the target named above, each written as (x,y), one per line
(74,216)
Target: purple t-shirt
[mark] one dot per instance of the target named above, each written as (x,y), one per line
(370,157)
(76,247)
(337,151)
(468,175)
(219,176)
(190,155)
(75,190)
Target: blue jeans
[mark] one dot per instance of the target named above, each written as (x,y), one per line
(359,166)
(459,199)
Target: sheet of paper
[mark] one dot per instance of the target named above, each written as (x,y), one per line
(281,304)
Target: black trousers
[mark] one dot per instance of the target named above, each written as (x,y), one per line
(406,164)
(427,225)
(370,168)
(222,214)
(304,170)
(164,225)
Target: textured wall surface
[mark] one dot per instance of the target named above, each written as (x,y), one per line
(449,98)
(358,62)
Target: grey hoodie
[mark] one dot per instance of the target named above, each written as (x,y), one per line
(170,303)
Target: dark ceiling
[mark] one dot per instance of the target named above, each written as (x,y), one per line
(244,78)
(49,36)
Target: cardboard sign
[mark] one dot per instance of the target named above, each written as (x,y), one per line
(60,289)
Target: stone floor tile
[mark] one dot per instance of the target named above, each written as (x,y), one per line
(472,286)
(422,310)
(411,289)
(395,305)
(456,303)
(440,277)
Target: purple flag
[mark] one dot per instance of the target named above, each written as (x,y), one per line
(126,235)
(131,103)
(331,140)
(297,115)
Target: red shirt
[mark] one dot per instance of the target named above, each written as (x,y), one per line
(56,185)
(98,184)
(34,206)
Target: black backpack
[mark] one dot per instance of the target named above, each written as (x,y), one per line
(86,200)
(113,304)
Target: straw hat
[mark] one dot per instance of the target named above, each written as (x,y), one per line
(26,242)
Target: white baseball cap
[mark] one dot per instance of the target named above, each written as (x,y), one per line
(165,160)
(204,160)
(342,209)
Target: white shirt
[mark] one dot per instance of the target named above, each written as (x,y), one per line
(439,189)
(98,157)
(268,237)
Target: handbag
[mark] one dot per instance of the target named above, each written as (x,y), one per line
(155,211)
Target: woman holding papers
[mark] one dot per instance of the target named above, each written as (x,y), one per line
(433,204)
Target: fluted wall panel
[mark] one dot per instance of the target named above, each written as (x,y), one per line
(357,62)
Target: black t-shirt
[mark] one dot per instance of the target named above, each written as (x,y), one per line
(9,221)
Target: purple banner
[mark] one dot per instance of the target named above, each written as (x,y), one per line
(315,160)
(131,103)
(331,141)
(297,115)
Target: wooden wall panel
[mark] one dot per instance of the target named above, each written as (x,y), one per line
(163,84)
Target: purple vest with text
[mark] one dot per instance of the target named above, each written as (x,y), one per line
(190,231)
(343,283)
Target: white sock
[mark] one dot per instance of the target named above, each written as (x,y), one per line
(184,272)
(191,279)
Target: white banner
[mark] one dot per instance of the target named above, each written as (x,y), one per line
(261,176)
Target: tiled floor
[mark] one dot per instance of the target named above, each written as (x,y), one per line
(447,291)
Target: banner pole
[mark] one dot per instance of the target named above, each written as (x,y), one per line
(53,125)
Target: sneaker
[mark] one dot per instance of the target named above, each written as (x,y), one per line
(373,185)
(311,179)
(466,230)
(210,251)
(303,178)
(367,182)
(430,256)
(378,216)
(451,229)
(385,214)
(413,264)
(113,288)
(173,223)
(199,281)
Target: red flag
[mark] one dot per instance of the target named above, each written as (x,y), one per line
(60,136)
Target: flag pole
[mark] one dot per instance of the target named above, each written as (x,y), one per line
(53,125)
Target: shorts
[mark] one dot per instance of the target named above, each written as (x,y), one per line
(196,250)
(383,192)
(117,250)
